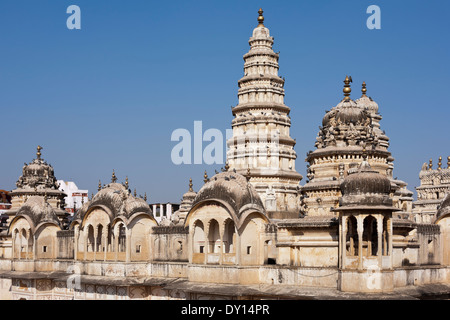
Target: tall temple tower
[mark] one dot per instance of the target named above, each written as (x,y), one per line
(261,147)
(349,132)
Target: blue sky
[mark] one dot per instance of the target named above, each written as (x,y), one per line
(110,95)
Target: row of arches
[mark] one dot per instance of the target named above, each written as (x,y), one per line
(99,238)
(216,239)
(370,237)
(366,239)
(29,243)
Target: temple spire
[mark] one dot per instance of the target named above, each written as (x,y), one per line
(260,18)
(38,153)
(113,177)
(190,185)
(364,89)
(347,90)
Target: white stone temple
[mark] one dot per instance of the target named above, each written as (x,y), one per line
(261,146)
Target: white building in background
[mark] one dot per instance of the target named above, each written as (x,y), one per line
(163,210)
(75,197)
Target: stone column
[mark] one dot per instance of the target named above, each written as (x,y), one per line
(206,235)
(360,229)
(105,242)
(95,242)
(20,245)
(128,244)
(343,244)
(116,242)
(380,240)
(85,235)
(221,233)
(13,242)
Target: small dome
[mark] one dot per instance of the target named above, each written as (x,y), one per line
(231,188)
(261,32)
(347,112)
(39,211)
(366,103)
(365,181)
(366,187)
(118,200)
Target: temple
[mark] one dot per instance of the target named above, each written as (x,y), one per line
(251,231)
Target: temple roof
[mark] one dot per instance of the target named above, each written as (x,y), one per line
(117,200)
(365,189)
(231,189)
(38,211)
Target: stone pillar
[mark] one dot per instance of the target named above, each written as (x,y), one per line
(343,244)
(360,229)
(85,235)
(116,242)
(34,247)
(95,242)
(128,245)
(105,242)
(380,240)
(13,242)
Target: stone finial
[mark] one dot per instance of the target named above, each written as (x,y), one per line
(227,166)
(99,185)
(135,193)
(38,153)
(448,162)
(126,182)
(364,153)
(260,18)
(364,89)
(440,163)
(82,200)
(347,90)
(430,165)
(45,197)
(205,176)
(248,174)
(190,185)
(145,196)
(113,177)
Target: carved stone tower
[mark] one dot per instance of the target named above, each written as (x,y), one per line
(261,147)
(349,131)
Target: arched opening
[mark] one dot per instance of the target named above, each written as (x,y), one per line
(370,238)
(100,244)
(122,245)
(385,237)
(23,244)
(352,237)
(199,237)
(213,237)
(90,239)
(16,243)
(229,237)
